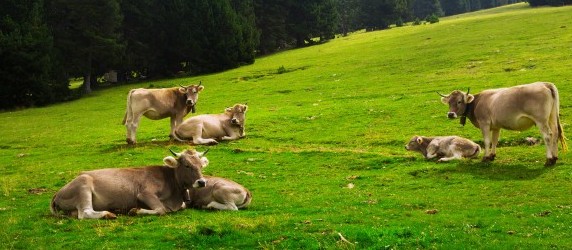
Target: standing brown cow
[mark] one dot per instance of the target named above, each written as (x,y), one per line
(515,108)
(157,104)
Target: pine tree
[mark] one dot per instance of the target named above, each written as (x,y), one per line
(28,71)
(86,32)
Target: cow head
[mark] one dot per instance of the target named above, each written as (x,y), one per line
(415,144)
(188,167)
(238,113)
(457,102)
(191,92)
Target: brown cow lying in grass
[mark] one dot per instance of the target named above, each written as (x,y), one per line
(446,148)
(204,129)
(147,190)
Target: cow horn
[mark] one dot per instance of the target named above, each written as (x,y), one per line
(441,94)
(204,153)
(174,154)
(200,83)
(182,86)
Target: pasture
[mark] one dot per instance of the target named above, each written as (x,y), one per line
(324,151)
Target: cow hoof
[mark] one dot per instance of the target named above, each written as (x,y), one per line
(489,158)
(133,212)
(130,142)
(110,216)
(550,162)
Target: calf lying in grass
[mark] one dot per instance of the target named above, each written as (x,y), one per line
(218,194)
(446,148)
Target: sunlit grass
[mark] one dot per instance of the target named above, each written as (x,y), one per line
(324,152)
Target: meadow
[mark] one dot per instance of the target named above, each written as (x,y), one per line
(324,151)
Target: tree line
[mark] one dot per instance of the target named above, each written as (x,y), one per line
(44,43)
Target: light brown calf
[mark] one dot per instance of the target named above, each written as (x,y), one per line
(219,194)
(446,148)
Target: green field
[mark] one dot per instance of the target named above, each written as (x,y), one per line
(324,151)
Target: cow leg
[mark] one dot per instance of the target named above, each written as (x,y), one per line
(175,121)
(198,137)
(432,151)
(132,125)
(494,143)
(85,201)
(197,140)
(222,206)
(456,155)
(151,201)
(487,140)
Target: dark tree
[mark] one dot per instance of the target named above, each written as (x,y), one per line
(28,71)
(423,8)
(549,2)
(86,33)
(378,14)
(348,11)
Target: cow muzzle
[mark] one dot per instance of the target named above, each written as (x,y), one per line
(452,115)
(234,121)
(200,183)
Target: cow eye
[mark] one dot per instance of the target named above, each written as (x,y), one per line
(458,102)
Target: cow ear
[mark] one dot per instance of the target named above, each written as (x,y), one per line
(183,90)
(228,110)
(245,108)
(199,88)
(445,100)
(419,140)
(470,98)
(171,162)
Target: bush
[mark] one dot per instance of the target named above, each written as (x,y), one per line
(417,21)
(399,22)
(433,18)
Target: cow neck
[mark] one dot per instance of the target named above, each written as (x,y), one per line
(468,110)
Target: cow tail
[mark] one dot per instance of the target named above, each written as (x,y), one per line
(177,137)
(128,110)
(247,200)
(477,151)
(556,110)
(561,136)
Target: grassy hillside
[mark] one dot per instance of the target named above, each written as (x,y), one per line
(324,154)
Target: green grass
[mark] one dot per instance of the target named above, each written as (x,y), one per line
(321,118)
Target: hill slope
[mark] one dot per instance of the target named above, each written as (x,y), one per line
(324,153)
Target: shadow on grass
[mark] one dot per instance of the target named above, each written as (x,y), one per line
(120,146)
(498,171)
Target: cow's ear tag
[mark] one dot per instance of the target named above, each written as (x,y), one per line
(170,161)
